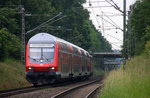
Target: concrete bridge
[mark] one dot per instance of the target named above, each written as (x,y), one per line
(106,55)
(113,63)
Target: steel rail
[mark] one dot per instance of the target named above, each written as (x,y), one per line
(10,92)
(6,93)
(92,93)
(61,94)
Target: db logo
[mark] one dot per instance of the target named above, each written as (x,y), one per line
(41,64)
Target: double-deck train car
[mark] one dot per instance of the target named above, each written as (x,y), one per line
(49,58)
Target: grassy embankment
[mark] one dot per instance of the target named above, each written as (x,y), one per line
(12,75)
(133,82)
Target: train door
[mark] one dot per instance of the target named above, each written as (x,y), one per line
(80,65)
(83,69)
(83,65)
(86,65)
(70,64)
(63,64)
(60,62)
(76,65)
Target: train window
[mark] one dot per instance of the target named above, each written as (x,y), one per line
(41,45)
(85,53)
(79,51)
(48,53)
(82,52)
(41,55)
(63,46)
(75,50)
(35,53)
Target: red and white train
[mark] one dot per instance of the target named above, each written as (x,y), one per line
(49,58)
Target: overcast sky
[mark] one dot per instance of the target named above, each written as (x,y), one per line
(108,19)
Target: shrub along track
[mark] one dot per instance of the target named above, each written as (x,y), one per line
(44,91)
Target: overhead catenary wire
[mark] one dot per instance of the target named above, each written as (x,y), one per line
(109,14)
(95,1)
(56,28)
(117,42)
(46,22)
(115,38)
(75,37)
(9,5)
(114,44)
(109,28)
(35,15)
(114,5)
(97,6)
(102,27)
(107,17)
(95,15)
(10,9)
(113,13)
(111,20)
(54,20)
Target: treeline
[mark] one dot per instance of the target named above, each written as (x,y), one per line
(138,35)
(75,27)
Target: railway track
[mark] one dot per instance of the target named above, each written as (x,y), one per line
(87,90)
(93,93)
(44,90)
(11,92)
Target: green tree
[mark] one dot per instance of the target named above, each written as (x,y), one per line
(10,46)
(75,27)
(140,19)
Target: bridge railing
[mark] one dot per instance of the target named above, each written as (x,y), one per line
(107,54)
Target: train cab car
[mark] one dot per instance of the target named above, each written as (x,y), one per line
(49,59)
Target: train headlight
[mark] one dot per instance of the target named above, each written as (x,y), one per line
(30,68)
(52,68)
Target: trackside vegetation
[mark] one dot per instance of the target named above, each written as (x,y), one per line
(134,80)
(12,75)
(131,82)
(138,27)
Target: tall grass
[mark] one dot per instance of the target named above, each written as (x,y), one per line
(132,82)
(12,75)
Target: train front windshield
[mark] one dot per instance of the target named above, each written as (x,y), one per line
(41,53)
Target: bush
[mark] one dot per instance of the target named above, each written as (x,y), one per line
(147,49)
(147,45)
(10,45)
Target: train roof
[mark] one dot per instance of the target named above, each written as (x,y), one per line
(48,38)
(42,38)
